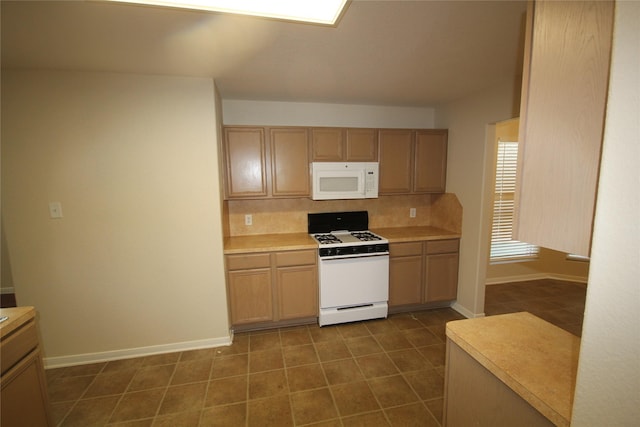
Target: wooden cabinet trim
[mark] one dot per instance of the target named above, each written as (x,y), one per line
(291,258)
(405,249)
(442,246)
(248,261)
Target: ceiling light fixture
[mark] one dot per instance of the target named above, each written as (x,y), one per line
(324,12)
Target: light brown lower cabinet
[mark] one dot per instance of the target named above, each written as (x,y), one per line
(441,270)
(272,287)
(423,272)
(24,396)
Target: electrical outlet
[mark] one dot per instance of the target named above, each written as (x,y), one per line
(55,210)
(248,220)
(412,213)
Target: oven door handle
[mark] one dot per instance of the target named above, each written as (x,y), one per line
(339,257)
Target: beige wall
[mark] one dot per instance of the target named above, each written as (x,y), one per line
(467,175)
(240,112)
(608,382)
(135,265)
(550,264)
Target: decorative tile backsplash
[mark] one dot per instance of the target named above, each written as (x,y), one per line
(290,215)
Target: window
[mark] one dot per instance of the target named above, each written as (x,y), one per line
(503,248)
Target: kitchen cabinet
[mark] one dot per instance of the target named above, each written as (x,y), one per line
(270,287)
(423,272)
(344,145)
(245,154)
(441,270)
(24,397)
(412,161)
(430,167)
(290,162)
(249,175)
(405,273)
(273,162)
(249,288)
(297,283)
(395,156)
(564,93)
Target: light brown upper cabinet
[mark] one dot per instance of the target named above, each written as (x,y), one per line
(564,91)
(412,161)
(344,145)
(266,162)
(245,162)
(290,162)
(430,161)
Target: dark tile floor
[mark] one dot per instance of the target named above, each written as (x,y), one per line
(557,302)
(374,373)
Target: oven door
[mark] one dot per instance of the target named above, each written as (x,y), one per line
(353,281)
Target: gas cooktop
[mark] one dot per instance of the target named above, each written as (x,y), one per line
(328,229)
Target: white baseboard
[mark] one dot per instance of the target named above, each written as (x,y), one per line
(128,353)
(7,291)
(466,313)
(537,276)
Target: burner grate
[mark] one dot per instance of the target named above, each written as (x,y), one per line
(365,236)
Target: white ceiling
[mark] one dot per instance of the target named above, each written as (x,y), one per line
(393,52)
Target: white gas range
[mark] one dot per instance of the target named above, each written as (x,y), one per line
(353,267)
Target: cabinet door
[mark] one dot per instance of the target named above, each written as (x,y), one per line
(290,162)
(362,145)
(250,296)
(430,161)
(565,79)
(326,145)
(396,160)
(245,158)
(405,280)
(24,395)
(441,282)
(297,291)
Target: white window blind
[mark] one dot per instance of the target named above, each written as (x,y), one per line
(502,246)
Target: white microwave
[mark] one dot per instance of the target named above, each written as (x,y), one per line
(344,180)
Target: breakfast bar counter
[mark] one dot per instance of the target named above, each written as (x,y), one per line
(511,369)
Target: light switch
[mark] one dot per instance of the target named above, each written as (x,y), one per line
(412,212)
(55,210)
(248,220)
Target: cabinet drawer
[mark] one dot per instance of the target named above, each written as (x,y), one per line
(442,246)
(17,345)
(405,249)
(284,259)
(248,261)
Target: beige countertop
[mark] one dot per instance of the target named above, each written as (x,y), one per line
(296,241)
(268,243)
(534,358)
(17,316)
(415,234)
